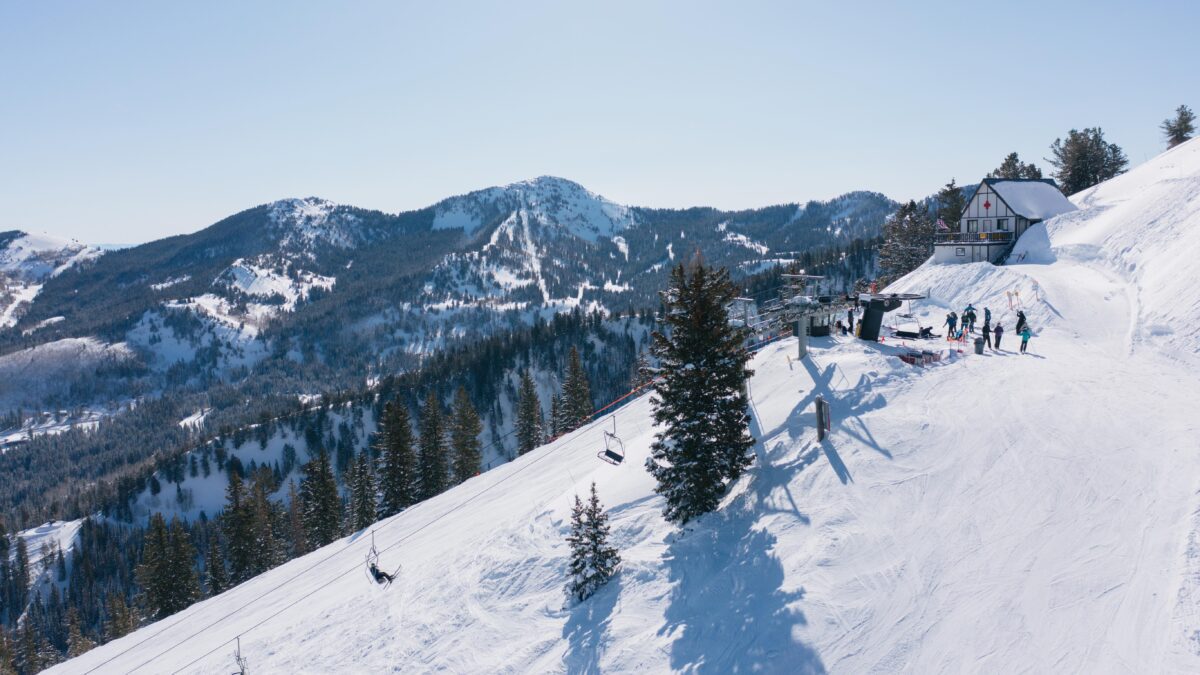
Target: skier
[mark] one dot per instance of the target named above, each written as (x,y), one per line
(987,315)
(987,333)
(381,576)
(1021,323)
(850,319)
(999,333)
(1025,335)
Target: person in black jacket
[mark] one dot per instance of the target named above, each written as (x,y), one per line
(1020,321)
(381,576)
(987,334)
(999,333)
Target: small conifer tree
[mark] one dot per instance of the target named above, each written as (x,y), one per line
(593,560)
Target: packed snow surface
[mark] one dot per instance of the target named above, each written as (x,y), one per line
(988,513)
(1033,199)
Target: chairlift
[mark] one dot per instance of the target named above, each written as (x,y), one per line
(373,570)
(239,659)
(614,448)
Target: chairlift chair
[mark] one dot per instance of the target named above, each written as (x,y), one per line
(614,448)
(373,570)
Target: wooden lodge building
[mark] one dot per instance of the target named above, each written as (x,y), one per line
(999,212)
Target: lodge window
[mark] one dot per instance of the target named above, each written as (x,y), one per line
(1002,224)
(972,226)
(987,225)
(960,251)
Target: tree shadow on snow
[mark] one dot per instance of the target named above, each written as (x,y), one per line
(586,631)
(728,612)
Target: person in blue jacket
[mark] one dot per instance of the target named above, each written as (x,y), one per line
(1025,335)
(951,321)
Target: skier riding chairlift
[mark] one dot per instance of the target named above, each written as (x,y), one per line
(614,448)
(380,576)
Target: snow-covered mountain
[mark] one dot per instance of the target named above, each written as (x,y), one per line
(349,292)
(26,262)
(995,512)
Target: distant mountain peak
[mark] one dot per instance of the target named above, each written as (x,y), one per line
(310,220)
(556,204)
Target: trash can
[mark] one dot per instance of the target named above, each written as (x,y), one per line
(978,345)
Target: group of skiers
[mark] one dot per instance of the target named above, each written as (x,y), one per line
(960,326)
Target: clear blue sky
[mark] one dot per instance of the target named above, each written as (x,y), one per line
(130,121)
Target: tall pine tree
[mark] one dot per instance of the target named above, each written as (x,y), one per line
(529,416)
(950,205)
(167,573)
(908,238)
(322,513)
(398,480)
(465,428)
(362,493)
(237,523)
(1084,159)
(577,395)
(1013,168)
(434,469)
(700,400)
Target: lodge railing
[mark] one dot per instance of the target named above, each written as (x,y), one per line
(974,237)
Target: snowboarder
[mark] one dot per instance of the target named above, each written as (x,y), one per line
(1021,323)
(381,576)
(987,333)
(1025,335)
(999,333)
(951,322)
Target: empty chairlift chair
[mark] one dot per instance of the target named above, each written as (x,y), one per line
(614,448)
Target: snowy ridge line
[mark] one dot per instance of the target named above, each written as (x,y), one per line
(568,444)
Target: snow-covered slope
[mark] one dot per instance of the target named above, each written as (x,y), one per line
(989,513)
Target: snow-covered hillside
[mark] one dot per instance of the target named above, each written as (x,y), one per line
(987,513)
(26,261)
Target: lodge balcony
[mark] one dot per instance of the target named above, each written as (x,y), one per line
(960,238)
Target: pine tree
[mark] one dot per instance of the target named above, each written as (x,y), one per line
(185,586)
(8,651)
(1085,159)
(121,619)
(593,561)
(398,481)
(700,401)
(465,428)
(77,642)
(1013,168)
(950,205)
(295,524)
(322,512)
(1181,128)
(265,517)
(362,493)
(643,371)
(908,238)
(216,577)
(558,420)
(529,416)
(577,396)
(167,572)
(433,468)
(237,523)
